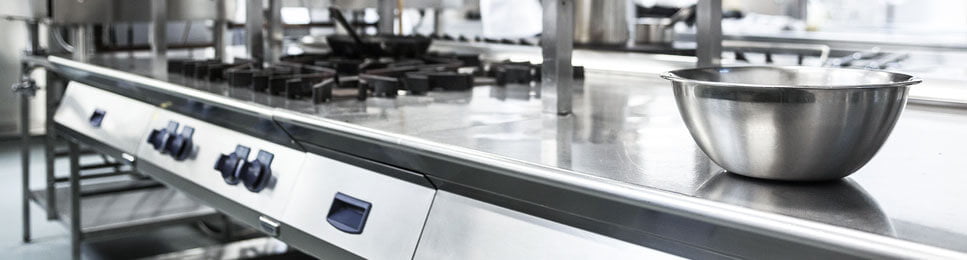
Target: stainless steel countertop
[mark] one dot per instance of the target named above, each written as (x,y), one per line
(626,129)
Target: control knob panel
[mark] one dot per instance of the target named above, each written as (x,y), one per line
(168,141)
(179,146)
(159,137)
(229,165)
(255,174)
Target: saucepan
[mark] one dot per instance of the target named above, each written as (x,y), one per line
(659,30)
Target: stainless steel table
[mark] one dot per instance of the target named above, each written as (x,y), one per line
(625,146)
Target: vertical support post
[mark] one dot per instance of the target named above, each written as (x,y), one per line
(75,198)
(254,21)
(556,136)
(274,32)
(226,228)
(25,161)
(438,21)
(52,96)
(218,30)
(890,14)
(158,38)
(131,40)
(709,37)
(797,9)
(385,9)
(33,39)
(82,42)
(557,43)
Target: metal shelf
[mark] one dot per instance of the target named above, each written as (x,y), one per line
(255,248)
(122,206)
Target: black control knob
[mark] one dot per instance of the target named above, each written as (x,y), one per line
(180,145)
(159,137)
(255,175)
(229,165)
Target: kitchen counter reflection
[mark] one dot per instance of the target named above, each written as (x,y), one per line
(841,203)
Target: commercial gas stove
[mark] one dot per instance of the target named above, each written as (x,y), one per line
(478,171)
(320,78)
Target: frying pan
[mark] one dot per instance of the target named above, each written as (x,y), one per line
(354,45)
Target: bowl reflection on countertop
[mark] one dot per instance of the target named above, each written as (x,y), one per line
(840,202)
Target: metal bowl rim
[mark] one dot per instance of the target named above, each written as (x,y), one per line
(672,76)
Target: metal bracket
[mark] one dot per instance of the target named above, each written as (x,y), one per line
(269,226)
(26,87)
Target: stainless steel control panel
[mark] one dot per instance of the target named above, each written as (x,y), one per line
(251,171)
(367,213)
(110,118)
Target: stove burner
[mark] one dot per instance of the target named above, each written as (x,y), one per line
(260,81)
(342,66)
(418,83)
(323,77)
(211,70)
(509,72)
(382,86)
(292,80)
(238,78)
(513,73)
(577,72)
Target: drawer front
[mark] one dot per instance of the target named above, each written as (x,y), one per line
(367,213)
(208,144)
(110,118)
(462,228)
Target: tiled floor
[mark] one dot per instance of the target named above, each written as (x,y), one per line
(51,240)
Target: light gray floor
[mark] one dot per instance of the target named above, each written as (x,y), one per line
(51,240)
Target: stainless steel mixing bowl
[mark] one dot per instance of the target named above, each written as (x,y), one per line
(790,123)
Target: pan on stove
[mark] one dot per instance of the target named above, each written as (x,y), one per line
(354,45)
(379,45)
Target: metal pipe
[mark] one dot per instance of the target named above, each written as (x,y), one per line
(50,140)
(130,41)
(437,21)
(557,43)
(385,10)
(33,45)
(254,20)
(708,24)
(274,32)
(796,9)
(25,161)
(226,228)
(218,30)
(75,198)
(82,39)
(33,37)
(56,37)
(158,38)
(184,37)
(97,175)
(399,17)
